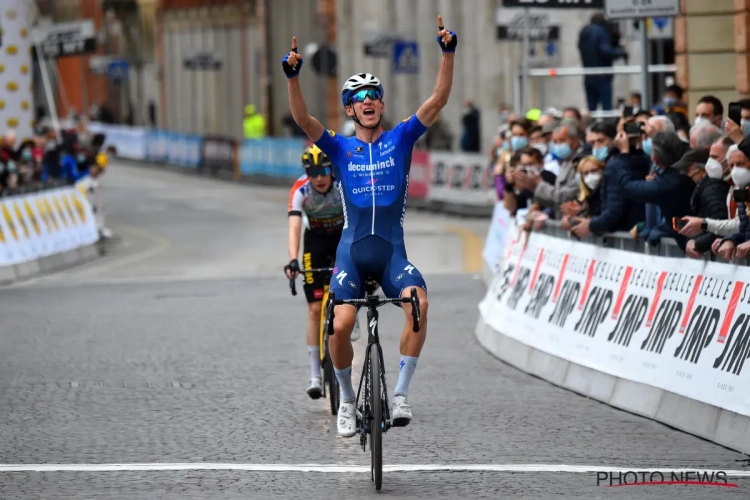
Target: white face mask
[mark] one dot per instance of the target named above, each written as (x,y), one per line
(700,120)
(542,148)
(714,169)
(740,176)
(592,180)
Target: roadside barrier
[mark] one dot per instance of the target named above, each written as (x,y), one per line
(44,231)
(663,337)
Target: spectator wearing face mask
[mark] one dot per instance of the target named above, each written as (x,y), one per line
(717,167)
(519,135)
(745,116)
(671,189)
(529,165)
(709,200)
(618,212)
(673,101)
(589,202)
(736,245)
(565,145)
(709,110)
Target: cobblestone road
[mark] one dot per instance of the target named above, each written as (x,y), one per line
(184,345)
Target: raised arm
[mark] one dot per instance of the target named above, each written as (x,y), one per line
(292,63)
(442,91)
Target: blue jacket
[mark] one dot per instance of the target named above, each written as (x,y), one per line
(743,234)
(670,190)
(620,212)
(595,47)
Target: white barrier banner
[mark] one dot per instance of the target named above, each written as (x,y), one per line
(501,226)
(681,325)
(41,224)
(460,178)
(130,142)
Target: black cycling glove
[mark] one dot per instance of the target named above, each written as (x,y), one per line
(450,46)
(293,267)
(291,71)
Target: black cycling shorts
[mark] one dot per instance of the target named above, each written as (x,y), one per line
(319,250)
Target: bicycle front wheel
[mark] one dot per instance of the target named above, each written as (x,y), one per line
(332,381)
(376,426)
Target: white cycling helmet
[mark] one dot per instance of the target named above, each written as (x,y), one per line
(359,82)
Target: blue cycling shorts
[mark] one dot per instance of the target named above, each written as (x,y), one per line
(379,259)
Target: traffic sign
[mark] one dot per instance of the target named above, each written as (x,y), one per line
(660,28)
(634,9)
(202,61)
(406,57)
(556,4)
(118,70)
(381,44)
(65,39)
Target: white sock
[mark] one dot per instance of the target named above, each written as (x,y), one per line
(408,366)
(345,381)
(313,352)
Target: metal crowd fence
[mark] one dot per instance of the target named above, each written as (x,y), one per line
(35,187)
(621,240)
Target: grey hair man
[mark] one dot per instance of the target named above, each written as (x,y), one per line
(703,135)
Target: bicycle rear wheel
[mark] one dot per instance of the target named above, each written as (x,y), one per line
(376,426)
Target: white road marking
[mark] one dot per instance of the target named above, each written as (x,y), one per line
(334,468)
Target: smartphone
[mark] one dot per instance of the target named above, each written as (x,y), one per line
(574,222)
(633,129)
(628,111)
(735,112)
(678,223)
(741,195)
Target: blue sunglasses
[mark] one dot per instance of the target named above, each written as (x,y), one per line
(364,94)
(316,171)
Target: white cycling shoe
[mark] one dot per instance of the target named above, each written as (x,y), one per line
(315,388)
(356,332)
(400,411)
(346,421)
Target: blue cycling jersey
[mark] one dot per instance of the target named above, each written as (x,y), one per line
(374,180)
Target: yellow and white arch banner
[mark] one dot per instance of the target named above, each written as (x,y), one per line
(16,102)
(45,223)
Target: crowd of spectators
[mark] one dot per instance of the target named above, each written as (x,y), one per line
(42,160)
(649,173)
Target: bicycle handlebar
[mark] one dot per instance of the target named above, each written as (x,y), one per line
(292,280)
(374,301)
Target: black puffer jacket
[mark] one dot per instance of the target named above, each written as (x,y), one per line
(709,201)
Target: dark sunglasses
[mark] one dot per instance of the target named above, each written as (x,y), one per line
(316,171)
(364,94)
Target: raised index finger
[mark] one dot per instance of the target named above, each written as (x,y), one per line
(294,44)
(441,26)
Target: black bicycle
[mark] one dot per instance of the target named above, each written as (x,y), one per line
(326,364)
(373,411)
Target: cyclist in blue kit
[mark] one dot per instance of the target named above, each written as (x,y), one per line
(373,170)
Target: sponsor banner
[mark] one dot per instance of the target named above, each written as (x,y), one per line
(184,149)
(172,147)
(65,39)
(681,325)
(501,226)
(156,146)
(272,157)
(130,142)
(464,179)
(419,175)
(41,224)
(218,153)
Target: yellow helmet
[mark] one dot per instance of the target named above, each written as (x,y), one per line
(102,160)
(314,157)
